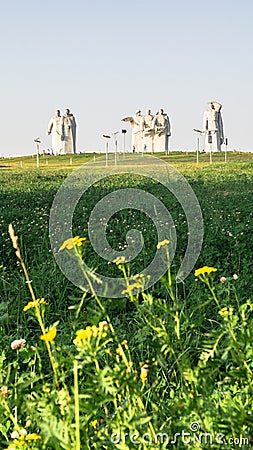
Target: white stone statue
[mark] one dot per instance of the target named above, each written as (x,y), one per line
(161,125)
(136,123)
(68,132)
(213,128)
(148,132)
(55,129)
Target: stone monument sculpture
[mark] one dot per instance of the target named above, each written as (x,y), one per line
(55,129)
(161,126)
(136,123)
(148,132)
(213,127)
(68,132)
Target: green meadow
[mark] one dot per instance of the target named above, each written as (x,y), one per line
(167,367)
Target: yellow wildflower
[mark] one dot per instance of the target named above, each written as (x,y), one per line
(94,330)
(94,423)
(70,243)
(119,260)
(162,243)
(124,343)
(131,287)
(103,325)
(138,276)
(39,301)
(49,336)
(32,437)
(225,312)
(204,270)
(90,331)
(144,372)
(84,334)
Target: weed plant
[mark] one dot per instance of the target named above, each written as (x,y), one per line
(166,368)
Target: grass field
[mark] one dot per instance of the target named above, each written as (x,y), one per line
(170,367)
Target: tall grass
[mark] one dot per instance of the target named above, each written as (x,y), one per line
(166,368)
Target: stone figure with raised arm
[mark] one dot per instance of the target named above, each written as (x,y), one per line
(68,132)
(55,129)
(148,131)
(213,127)
(136,123)
(161,125)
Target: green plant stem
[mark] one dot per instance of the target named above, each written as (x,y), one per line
(38,314)
(12,417)
(106,315)
(77,411)
(169,276)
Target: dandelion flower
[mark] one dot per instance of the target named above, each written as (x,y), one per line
(49,336)
(162,243)
(204,270)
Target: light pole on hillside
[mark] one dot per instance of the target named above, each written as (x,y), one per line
(198,134)
(226,149)
(116,146)
(37,142)
(124,141)
(107,137)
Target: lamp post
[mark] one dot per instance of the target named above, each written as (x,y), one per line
(106,136)
(226,149)
(198,134)
(124,142)
(37,142)
(116,146)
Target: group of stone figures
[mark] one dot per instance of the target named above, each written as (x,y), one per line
(151,132)
(63,131)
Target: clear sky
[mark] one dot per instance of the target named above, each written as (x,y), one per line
(106,59)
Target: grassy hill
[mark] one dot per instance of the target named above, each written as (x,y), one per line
(142,370)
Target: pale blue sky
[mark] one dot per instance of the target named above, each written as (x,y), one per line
(104,60)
